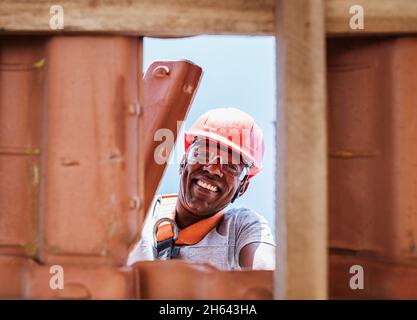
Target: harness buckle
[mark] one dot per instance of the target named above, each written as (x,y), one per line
(165,249)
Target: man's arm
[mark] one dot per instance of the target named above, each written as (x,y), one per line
(257,255)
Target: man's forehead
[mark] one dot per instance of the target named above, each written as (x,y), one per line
(217,147)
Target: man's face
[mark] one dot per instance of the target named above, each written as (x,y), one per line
(206,186)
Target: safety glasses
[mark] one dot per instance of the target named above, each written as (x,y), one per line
(231,163)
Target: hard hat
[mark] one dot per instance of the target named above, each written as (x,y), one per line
(234,129)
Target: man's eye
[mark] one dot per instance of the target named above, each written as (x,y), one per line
(197,153)
(233,167)
(201,156)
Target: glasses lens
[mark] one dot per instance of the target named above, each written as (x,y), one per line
(196,154)
(232,163)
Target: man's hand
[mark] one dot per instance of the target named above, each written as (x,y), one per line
(257,256)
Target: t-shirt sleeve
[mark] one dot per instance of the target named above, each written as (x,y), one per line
(143,250)
(251,227)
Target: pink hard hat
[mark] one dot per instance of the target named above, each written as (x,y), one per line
(232,128)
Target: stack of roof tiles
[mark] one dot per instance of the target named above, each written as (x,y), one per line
(73,173)
(372,135)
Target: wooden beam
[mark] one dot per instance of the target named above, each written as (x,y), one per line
(191,17)
(301,197)
(380,16)
(142,17)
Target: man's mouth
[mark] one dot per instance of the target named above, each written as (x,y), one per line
(207,186)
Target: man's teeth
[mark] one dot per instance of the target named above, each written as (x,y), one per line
(206,185)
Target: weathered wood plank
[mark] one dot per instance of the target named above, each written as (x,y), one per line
(142,17)
(190,17)
(301,184)
(380,16)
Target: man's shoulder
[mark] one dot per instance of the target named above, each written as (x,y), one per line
(242,215)
(248,226)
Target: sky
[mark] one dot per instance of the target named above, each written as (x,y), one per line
(238,71)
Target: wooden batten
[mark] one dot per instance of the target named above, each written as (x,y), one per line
(185,18)
(301,221)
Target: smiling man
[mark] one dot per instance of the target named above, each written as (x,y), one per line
(223,151)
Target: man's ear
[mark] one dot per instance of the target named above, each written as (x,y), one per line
(183,164)
(244,187)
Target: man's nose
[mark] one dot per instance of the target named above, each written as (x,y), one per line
(214,167)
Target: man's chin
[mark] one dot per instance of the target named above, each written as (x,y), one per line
(199,208)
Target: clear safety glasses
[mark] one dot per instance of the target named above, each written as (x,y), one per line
(231,163)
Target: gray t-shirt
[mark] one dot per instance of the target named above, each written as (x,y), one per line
(220,247)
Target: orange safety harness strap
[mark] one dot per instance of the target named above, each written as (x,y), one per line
(189,235)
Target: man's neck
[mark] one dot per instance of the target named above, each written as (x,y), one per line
(184,218)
